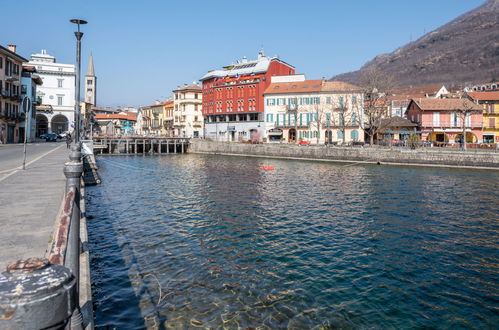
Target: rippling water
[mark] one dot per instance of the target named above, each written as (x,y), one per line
(185,241)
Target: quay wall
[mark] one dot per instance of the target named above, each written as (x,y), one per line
(391,156)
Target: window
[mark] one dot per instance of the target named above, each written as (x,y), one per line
(328,100)
(59,83)
(1,62)
(354,99)
(196,95)
(340,134)
(354,119)
(354,134)
(89,82)
(59,100)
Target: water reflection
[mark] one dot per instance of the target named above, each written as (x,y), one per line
(209,241)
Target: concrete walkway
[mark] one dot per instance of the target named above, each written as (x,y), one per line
(29,200)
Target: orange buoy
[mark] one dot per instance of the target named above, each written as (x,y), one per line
(267,168)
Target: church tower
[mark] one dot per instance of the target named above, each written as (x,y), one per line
(91,84)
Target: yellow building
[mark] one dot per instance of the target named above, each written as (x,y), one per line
(157,119)
(490,102)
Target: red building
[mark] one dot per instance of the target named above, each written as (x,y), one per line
(233,97)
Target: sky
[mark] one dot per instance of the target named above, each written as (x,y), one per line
(144,49)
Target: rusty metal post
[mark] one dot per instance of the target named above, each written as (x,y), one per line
(35,294)
(73,171)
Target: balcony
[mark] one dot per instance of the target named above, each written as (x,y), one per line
(197,123)
(15,97)
(452,124)
(4,93)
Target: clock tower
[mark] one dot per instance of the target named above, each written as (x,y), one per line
(91,84)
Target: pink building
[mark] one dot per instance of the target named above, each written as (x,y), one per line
(441,120)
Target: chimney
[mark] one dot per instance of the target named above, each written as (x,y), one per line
(12,48)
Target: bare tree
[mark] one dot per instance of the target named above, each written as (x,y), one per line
(464,112)
(318,111)
(375,85)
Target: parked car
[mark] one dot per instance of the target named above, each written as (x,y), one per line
(51,137)
(43,136)
(63,135)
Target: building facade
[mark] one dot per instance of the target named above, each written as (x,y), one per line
(233,101)
(91,83)
(441,120)
(57,94)
(187,112)
(490,103)
(313,111)
(10,96)
(116,124)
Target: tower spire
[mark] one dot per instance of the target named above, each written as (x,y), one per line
(91,66)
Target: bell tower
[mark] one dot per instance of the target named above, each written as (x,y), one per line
(91,83)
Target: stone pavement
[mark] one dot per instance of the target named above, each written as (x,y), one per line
(30,201)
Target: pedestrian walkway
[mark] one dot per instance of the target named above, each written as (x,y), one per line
(29,203)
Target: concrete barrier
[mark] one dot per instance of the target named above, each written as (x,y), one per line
(393,156)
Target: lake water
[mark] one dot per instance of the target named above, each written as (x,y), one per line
(192,241)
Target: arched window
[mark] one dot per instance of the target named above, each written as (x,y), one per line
(340,134)
(354,134)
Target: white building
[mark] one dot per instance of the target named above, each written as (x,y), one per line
(313,111)
(187,116)
(56,112)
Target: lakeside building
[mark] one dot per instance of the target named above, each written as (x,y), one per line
(116,124)
(10,95)
(55,114)
(399,99)
(490,103)
(233,101)
(156,119)
(29,83)
(187,111)
(440,120)
(315,111)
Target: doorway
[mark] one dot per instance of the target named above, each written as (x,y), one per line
(292,135)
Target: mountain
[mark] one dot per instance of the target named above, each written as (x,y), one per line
(464,51)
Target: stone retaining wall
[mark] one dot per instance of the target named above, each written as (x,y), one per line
(427,157)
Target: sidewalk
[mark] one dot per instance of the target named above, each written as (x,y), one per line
(29,204)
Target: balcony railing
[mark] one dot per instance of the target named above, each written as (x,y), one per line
(451,124)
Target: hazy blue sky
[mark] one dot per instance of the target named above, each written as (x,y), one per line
(144,49)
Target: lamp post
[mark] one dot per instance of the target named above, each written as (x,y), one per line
(25,105)
(78,35)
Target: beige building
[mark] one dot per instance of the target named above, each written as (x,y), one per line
(312,111)
(187,116)
(11,115)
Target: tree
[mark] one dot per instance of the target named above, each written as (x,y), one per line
(464,112)
(375,86)
(319,114)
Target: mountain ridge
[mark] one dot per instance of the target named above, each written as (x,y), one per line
(463,51)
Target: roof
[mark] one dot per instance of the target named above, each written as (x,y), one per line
(336,86)
(485,96)
(426,104)
(306,86)
(424,90)
(396,121)
(115,116)
(10,53)
(167,103)
(91,66)
(260,65)
(188,88)
(309,86)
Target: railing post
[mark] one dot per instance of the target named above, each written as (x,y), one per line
(73,171)
(35,294)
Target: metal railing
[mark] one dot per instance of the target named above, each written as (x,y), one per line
(40,293)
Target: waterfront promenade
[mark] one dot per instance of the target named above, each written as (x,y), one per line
(29,199)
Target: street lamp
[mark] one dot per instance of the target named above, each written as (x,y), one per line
(25,105)
(78,35)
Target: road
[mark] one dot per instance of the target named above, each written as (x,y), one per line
(11,155)
(29,199)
